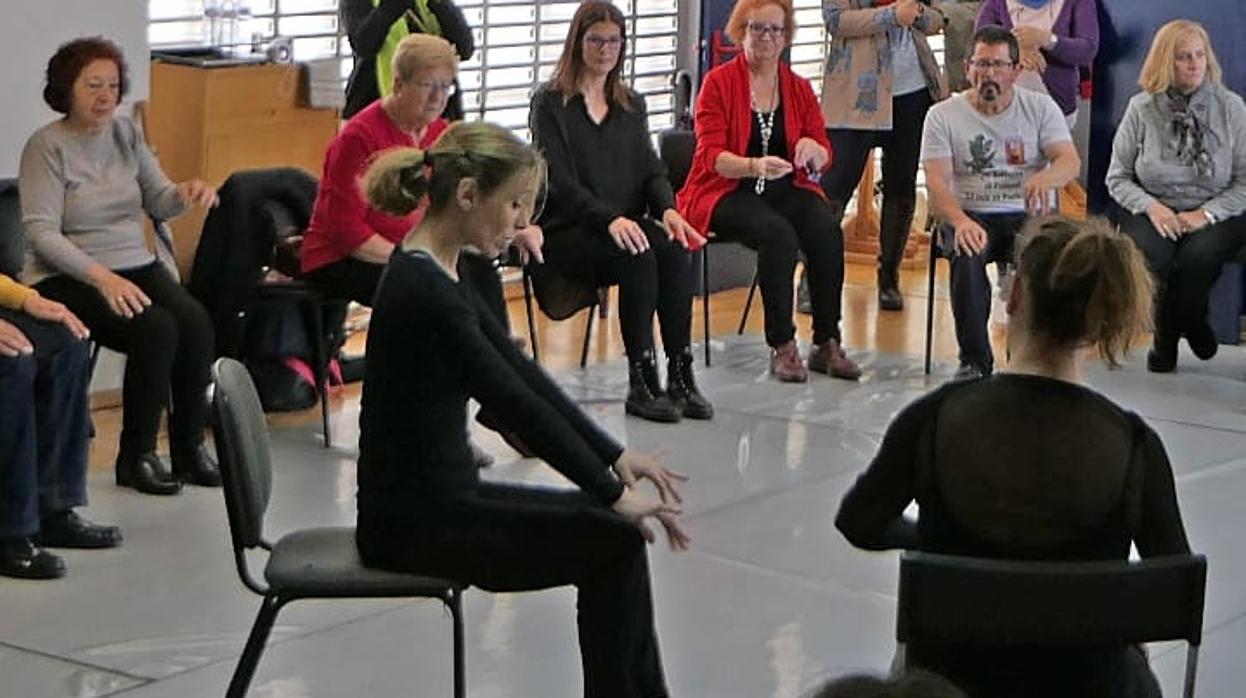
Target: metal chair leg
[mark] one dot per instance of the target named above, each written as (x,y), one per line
(460,656)
(705,302)
(748,305)
(250,658)
(527,304)
(930,285)
(588,333)
(320,362)
(1191,670)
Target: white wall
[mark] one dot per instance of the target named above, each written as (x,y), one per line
(30,31)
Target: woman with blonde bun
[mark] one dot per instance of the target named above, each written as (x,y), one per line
(431,346)
(1031,464)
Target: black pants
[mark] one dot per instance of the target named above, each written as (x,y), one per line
(356,280)
(659,279)
(1185,269)
(507,538)
(971,289)
(44,426)
(901,149)
(780,224)
(168,347)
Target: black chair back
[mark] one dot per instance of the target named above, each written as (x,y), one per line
(676,147)
(959,600)
(12,239)
(242,448)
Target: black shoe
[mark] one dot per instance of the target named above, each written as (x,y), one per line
(68,530)
(645,398)
(147,474)
(1162,358)
(889,298)
(20,558)
(1202,340)
(804,301)
(681,387)
(197,467)
(971,370)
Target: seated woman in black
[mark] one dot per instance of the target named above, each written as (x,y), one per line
(610,216)
(431,346)
(1031,464)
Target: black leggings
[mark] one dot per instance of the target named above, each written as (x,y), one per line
(356,280)
(901,149)
(507,538)
(658,279)
(1185,269)
(168,347)
(780,224)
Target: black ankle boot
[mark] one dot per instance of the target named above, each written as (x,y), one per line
(645,398)
(195,466)
(681,387)
(146,473)
(1163,355)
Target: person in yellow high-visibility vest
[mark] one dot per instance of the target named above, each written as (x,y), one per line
(374,28)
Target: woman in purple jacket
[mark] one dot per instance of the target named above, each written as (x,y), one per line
(1058,38)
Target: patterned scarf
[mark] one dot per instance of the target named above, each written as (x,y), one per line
(1190,133)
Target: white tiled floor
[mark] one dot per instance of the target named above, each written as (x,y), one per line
(770,601)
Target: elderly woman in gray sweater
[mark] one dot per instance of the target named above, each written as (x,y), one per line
(86,181)
(1179,170)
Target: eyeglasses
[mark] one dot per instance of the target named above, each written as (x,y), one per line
(759,29)
(432,86)
(987,64)
(597,43)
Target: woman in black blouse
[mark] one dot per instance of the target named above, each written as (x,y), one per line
(432,345)
(610,215)
(1029,463)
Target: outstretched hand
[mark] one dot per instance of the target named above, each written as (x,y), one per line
(632,467)
(636,506)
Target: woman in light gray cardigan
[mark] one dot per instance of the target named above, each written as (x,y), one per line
(1179,170)
(86,181)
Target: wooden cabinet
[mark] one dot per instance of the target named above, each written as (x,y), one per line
(208,123)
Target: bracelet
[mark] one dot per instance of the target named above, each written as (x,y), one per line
(1211,217)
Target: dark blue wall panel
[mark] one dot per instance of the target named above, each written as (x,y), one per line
(1126,28)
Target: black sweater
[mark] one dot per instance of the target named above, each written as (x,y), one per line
(1017,466)
(366,29)
(597,172)
(431,346)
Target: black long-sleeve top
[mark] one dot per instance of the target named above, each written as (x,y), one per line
(366,29)
(1017,466)
(597,172)
(431,346)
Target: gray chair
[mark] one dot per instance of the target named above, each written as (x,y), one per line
(311,563)
(960,600)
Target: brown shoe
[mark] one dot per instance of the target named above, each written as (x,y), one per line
(786,365)
(829,358)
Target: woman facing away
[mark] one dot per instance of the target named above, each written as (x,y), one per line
(431,346)
(1031,464)
(610,214)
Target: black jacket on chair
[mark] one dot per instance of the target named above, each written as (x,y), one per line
(239,238)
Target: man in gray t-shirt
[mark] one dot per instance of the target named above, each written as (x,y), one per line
(993,154)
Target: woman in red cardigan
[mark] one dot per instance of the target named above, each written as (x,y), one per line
(761,148)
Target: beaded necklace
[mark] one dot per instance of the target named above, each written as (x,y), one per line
(765,122)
